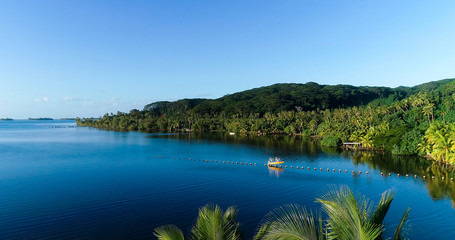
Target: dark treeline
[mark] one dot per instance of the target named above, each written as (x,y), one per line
(402,120)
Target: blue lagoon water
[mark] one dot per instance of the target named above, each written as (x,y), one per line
(59,181)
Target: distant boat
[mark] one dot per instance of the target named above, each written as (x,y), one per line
(232,133)
(276,162)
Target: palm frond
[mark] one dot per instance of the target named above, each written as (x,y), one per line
(382,208)
(168,232)
(262,232)
(213,223)
(290,222)
(401,230)
(348,218)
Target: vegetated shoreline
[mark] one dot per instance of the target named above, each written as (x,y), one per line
(421,123)
(40,119)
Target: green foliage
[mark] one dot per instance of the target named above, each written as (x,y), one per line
(212,223)
(352,217)
(440,139)
(278,98)
(291,222)
(391,138)
(168,232)
(409,143)
(331,141)
(379,118)
(348,218)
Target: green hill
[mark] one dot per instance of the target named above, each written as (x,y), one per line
(288,97)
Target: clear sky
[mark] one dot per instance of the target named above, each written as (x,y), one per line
(87,58)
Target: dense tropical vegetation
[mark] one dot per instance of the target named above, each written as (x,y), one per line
(403,121)
(349,217)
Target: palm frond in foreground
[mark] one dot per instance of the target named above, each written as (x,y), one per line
(290,222)
(168,232)
(354,218)
(213,223)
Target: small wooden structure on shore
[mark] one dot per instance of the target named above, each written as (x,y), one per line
(352,145)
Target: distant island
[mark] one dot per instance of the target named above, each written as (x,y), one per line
(6,119)
(40,118)
(67,118)
(417,120)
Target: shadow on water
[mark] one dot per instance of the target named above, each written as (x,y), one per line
(439,187)
(280,144)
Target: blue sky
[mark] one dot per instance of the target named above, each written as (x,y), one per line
(86,58)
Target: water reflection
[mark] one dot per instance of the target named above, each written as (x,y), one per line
(275,171)
(381,161)
(281,145)
(439,187)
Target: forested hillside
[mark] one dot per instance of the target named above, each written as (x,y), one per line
(403,120)
(287,97)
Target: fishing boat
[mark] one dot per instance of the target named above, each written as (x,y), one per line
(275,162)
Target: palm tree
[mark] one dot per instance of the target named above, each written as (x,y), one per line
(212,223)
(354,218)
(440,139)
(349,218)
(427,112)
(168,232)
(290,222)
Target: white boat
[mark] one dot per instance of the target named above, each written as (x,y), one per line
(275,162)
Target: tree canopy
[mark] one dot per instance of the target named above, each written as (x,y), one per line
(403,120)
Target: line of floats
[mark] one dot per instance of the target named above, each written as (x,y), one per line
(278,163)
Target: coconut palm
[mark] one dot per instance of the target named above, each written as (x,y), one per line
(349,218)
(440,138)
(212,224)
(290,222)
(168,232)
(354,218)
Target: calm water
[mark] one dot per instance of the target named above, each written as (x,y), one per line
(61,181)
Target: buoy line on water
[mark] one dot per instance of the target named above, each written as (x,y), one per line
(354,172)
